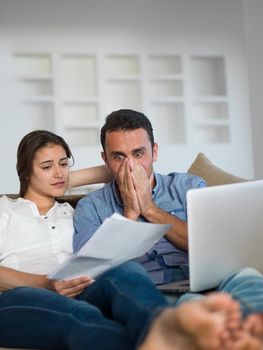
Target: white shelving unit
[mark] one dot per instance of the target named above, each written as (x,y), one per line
(36,86)
(122,82)
(209,100)
(79,99)
(72,93)
(166,91)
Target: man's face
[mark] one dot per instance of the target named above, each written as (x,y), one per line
(121,146)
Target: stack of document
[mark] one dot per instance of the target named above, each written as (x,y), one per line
(117,240)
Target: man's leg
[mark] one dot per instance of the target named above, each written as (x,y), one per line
(41,319)
(127,295)
(246,286)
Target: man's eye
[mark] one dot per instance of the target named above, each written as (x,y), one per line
(64,164)
(118,157)
(138,154)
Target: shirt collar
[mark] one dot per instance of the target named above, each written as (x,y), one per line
(157,184)
(34,208)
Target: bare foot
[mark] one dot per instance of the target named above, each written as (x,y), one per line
(254,325)
(205,324)
(250,334)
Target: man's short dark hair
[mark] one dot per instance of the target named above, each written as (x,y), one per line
(126,119)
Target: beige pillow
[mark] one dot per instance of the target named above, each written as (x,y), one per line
(213,175)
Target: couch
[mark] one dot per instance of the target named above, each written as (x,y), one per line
(201,166)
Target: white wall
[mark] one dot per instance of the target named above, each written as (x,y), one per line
(253,12)
(110,25)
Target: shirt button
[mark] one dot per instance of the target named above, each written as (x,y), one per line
(53,227)
(172,213)
(45,217)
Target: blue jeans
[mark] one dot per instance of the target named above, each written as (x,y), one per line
(245,286)
(113,313)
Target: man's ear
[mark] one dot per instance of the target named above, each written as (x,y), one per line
(103,156)
(155,152)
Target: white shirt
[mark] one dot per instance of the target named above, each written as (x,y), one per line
(31,242)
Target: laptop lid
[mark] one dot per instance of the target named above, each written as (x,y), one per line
(225,231)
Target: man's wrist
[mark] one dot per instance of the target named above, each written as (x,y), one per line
(149,211)
(131,215)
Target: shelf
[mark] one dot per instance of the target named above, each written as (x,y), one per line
(212,99)
(162,88)
(213,123)
(83,113)
(35,77)
(29,87)
(74,93)
(165,65)
(209,134)
(166,77)
(208,75)
(75,125)
(211,111)
(39,116)
(82,137)
(168,121)
(121,78)
(122,65)
(81,101)
(78,76)
(125,94)
(31,64)
(167,100)
(39,99)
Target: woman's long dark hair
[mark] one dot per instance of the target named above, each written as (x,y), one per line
(27,149)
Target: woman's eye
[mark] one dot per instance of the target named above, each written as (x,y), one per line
(47,167)
(64,164)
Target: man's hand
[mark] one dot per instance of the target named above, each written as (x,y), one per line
(128,192)
(143,188)
(148,209)
(70,288)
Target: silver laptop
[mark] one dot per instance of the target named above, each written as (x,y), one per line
(225,229)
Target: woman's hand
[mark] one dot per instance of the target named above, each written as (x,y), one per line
(70,288)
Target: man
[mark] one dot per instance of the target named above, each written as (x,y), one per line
(138,193)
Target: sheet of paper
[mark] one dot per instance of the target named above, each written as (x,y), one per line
(117,240)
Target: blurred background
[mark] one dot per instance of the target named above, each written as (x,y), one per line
(194,67)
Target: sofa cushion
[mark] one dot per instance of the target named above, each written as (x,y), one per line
(213,175)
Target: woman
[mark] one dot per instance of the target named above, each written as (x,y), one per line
(43,162)
(121,310)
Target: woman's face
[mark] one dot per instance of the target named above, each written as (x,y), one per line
(50,172)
